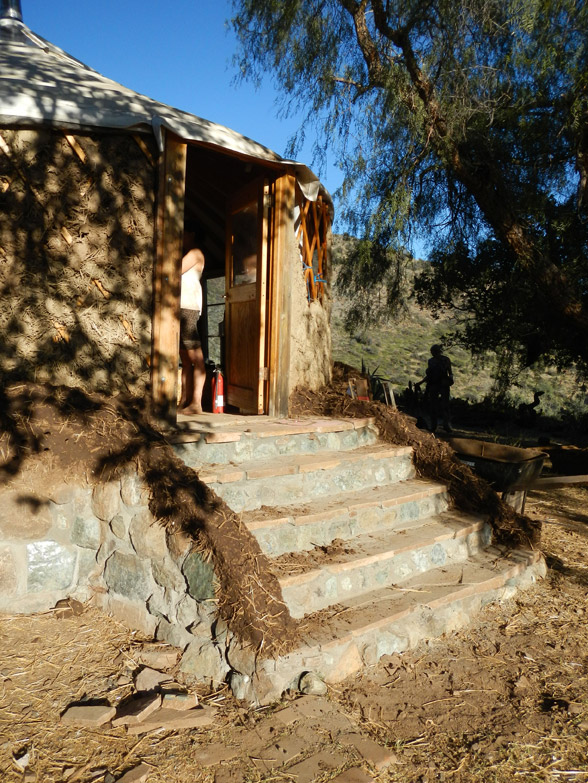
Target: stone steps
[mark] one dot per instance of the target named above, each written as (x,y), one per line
(369,558)
(341,640)
(302,527)
(219,439)
(377,559)
(302,477)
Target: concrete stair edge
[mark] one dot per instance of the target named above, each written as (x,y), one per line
(292,464)
(346,655)
(390,559)
(333,518)
(225,444)
(302,479)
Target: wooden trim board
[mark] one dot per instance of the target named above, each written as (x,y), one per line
(166,280)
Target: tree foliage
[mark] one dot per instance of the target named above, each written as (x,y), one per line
(465,119)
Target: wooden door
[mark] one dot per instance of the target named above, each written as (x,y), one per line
(246,292)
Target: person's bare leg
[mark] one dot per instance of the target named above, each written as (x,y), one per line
(187,394)
(196,358)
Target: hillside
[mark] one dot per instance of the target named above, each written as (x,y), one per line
(400,349)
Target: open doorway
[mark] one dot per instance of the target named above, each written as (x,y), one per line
(245,211)
(225,197)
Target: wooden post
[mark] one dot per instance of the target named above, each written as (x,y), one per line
(280,309)
(166,279)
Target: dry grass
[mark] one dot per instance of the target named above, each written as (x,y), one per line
(504,700)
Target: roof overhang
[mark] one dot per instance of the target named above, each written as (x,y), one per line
(42,85)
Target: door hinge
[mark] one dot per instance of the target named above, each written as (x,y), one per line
(264,373)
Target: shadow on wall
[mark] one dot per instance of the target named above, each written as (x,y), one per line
(76,260)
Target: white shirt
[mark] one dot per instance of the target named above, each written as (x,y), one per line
(191,291)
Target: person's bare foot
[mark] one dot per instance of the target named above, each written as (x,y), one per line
(192,410)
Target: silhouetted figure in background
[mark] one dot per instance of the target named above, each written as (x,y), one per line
(528,411)
(439,379)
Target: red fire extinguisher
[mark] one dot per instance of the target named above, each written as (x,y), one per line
(218,391)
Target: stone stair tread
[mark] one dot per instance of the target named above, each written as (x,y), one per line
(297,463)
(219,427)
(374,547)
(333,505)
(484,571)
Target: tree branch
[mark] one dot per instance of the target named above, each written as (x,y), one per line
(370,52)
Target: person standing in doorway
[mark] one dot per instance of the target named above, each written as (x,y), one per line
(439,380)
(193,367)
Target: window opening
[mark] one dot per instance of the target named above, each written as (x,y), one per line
(312,226)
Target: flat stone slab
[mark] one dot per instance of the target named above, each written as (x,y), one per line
(158,656)
(90,715)
(137,709)
(299,463)
(309,769)
(375,754)
(174,720)
(179,701)
(319,510)
(149,679)
(138,774)
(371,612)
(378,546)
(209,425)
(355,633)
(215,753)
(312,582)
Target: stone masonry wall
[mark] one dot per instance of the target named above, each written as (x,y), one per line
(102,545)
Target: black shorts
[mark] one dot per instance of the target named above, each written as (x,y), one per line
(189,337)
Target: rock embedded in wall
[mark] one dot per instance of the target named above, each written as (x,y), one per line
(179,545)
(200,577)
(173,633)
(50,566)
(131,613)
(102,543)
(86,533)
(147,536)
(133,491)
(191,613)
(119,526)
(106,500)
(87,571)
(203,662)
(128,576)
(167,574)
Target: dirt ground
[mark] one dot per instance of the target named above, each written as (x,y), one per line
(504,700)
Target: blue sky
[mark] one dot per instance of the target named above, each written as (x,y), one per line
(178,52)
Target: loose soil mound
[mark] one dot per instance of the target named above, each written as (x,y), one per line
(48,436)
(433,459)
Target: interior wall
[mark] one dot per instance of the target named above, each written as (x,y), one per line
(76,259)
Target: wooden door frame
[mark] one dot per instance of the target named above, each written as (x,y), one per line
(279,295)
(167,278)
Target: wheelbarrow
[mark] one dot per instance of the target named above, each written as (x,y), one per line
(511,470)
